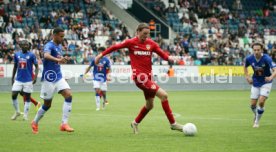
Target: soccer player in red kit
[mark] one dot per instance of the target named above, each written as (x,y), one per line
(140,49)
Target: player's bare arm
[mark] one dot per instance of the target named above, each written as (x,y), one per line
(14,72)
(173,59)
(98,57)
(36,73)
(60,60)
(247,77)
(273,75)
(87,69)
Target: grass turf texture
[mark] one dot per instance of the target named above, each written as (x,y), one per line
(223,118)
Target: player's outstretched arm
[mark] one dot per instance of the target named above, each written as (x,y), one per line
(36,73)
(97,58)
(87,69)
(173,59)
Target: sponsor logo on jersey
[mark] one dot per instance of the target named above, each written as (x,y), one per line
(146,53)
(148,47)
(153,87)
(22,64)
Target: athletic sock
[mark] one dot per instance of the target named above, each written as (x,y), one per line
(15,105)
(27,108)
(260,112)
(67,107)
(143,112)
(98,100)
(168,111)
(40,113)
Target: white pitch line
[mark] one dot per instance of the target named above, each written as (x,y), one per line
(176,115)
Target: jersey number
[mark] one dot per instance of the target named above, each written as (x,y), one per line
(22,65)
(259,72)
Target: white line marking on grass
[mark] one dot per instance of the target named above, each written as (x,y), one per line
(177,115)
(216,118)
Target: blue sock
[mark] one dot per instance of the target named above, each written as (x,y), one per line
(69,99)
(45,108)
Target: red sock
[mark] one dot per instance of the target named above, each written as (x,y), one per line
(101,94)
(168,111)
(33,101)
(142,114)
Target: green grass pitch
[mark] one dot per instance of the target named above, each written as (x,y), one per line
(223,118)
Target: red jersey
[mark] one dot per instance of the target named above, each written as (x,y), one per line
(140,54)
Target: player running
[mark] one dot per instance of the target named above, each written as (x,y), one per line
(261,80)
(140,49)
(52,81)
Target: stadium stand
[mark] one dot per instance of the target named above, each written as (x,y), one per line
(209,32)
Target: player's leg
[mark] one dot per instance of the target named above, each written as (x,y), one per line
(40,113)
(22,94)
(36,104)
(26,105)
(16,88)
(264,93)
(255,93)
(47,93)
(103,91)
(27,89)
(65,90)
(143,112)
(97,98)
(149,88)
(15,105)
(253,107)
(260,111)
(163,96)
(96,85)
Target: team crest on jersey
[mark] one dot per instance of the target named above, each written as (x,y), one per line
(148,47)
(28,57)
(153,86)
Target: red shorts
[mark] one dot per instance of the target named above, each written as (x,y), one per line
(148,86)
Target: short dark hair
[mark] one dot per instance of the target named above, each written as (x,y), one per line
(258,43)
(101,49)
(57,30)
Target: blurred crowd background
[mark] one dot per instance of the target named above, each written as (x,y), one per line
(209,32)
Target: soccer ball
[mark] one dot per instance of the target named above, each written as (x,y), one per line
(189,129)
